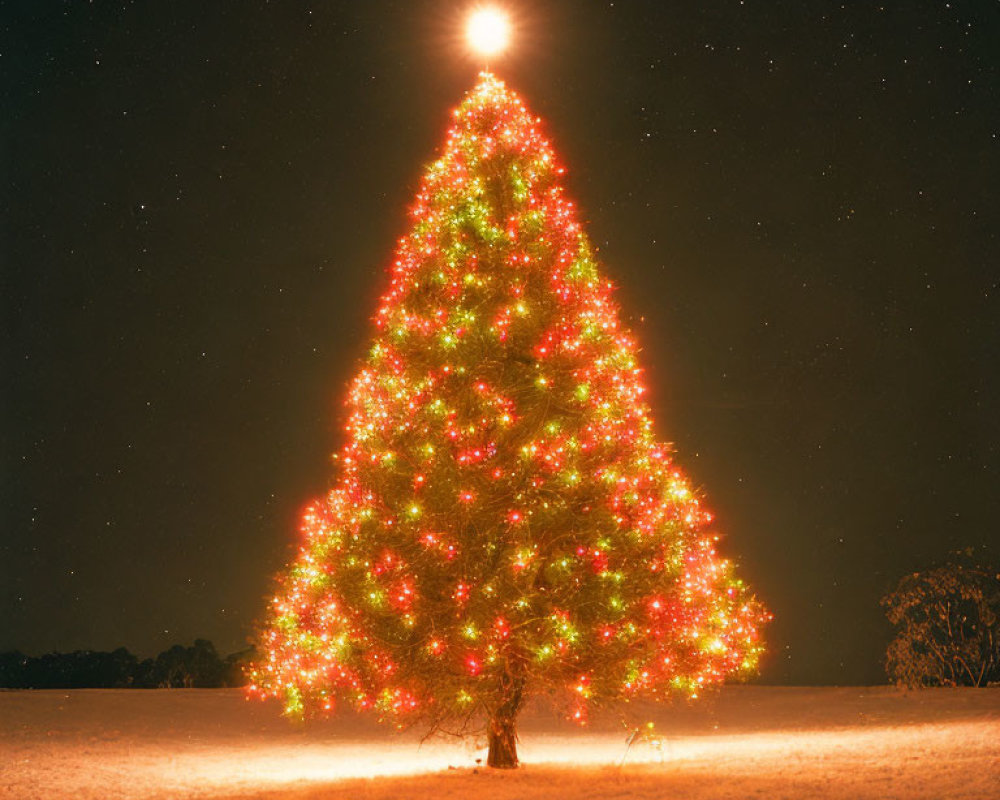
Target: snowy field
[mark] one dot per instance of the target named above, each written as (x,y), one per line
(747,742)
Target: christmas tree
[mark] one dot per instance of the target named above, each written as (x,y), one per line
(504,523)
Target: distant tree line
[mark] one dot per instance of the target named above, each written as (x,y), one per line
(195,667)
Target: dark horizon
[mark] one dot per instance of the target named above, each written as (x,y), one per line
(796,202)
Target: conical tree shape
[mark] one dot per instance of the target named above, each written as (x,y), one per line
(504,523)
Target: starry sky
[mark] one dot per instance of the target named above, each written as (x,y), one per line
(797,200)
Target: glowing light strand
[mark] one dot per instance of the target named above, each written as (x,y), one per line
(503,507)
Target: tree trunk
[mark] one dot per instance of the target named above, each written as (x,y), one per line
(502,736)
(502,731)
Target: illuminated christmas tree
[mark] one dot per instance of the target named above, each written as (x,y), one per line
(504,523)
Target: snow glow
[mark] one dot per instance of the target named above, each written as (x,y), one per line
(812,744)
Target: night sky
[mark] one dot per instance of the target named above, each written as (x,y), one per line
(798,201)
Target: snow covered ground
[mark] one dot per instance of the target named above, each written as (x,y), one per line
(747,742)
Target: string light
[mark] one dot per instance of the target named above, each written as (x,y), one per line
(503,511)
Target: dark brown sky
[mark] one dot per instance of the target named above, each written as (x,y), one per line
(797,199)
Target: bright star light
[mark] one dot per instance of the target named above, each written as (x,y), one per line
(488,31)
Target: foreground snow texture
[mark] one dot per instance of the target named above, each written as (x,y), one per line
(743,743)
